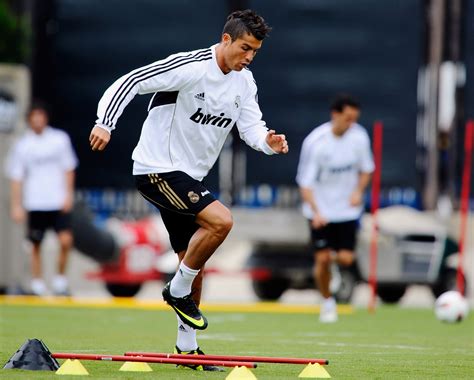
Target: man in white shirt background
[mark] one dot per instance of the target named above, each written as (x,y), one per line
(334,169)
(41,168)
(199,96)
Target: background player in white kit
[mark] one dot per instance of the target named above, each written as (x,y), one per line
(334,169)
(198,97)
(41,168)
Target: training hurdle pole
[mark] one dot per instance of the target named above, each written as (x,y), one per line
(147,359)
(465,188)
(228,358)
(374,206)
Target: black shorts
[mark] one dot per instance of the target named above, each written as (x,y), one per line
(179,198)
(40,221)
(335,236)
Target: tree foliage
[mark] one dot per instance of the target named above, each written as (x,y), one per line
(14,35)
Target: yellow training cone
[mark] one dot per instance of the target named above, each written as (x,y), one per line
(72,367)
(241,373)
(316,371)
(135,367)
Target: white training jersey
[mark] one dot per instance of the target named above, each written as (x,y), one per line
(40,162)
(330,166)
(193,109)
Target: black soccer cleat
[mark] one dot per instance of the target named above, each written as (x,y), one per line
(186,309)
(196,367)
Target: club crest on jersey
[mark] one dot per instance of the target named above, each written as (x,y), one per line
(193,197)
(237,101)
(219,121)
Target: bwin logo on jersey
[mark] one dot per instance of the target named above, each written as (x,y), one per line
(218,121)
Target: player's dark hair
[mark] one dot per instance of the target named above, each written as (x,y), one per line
(247,21)
(38,105)
(344,100)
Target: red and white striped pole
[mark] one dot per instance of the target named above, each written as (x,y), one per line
(375,199)
(465,189)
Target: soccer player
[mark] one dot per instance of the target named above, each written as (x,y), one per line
(334,169)
(199,96)
(41,169)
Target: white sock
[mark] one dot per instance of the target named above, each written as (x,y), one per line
(38,286)
(60,283)
(186,340)
(183,279)
(329,303)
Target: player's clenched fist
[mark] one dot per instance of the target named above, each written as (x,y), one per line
(277,142)
(99,138)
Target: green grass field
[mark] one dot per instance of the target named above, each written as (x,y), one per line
(392,344)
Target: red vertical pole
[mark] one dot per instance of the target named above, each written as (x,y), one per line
(465,189)
(375,199)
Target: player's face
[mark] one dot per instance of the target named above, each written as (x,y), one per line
(38,120)
(343,120)
(239,54)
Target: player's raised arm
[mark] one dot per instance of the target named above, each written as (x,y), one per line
(252,128)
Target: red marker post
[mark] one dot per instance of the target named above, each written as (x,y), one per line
(375,199)
(465,189)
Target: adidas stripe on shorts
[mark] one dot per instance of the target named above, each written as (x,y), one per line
(179,198)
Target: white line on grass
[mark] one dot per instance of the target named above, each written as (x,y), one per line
(368,345)
(331,334)
(228,318)
(225,337)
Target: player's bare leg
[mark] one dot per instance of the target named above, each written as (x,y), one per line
(345,257)
(36,261)
(322,273)
(215,223)
(60,283)
(38,287)
(65,243)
